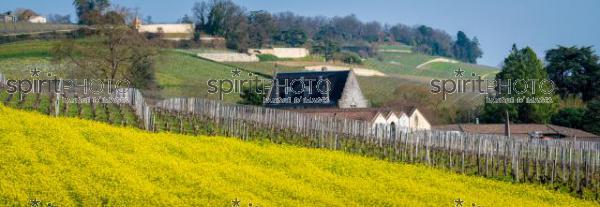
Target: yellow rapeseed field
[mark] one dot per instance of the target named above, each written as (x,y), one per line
(72,162)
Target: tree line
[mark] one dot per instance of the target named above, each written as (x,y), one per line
(323,35)
(575,73)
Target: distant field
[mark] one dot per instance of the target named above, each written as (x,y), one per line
(406,64)
(185,75)
(26,49)
(74,162)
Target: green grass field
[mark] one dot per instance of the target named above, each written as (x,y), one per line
(178,73)
(73,162)
(17,59)
(402,63)
(182,74)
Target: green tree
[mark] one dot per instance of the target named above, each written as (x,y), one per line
(293,37)
(328,48)
(574,70)
(569,117)
(261,28)
(348,57)
(226,19)
(90,12)
(252,95)
(113,18)
(520,67)
(591,119)
(114,52)
(466,49)
(186,19)
(371,31)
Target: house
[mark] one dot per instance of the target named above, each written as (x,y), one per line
(315,89)
(37,19)
(282,52)
(416,119)
(167,31)
(8,17)
(378,117)
(540,131)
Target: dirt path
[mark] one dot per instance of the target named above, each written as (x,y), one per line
(437,60)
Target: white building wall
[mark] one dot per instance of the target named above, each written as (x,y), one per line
(352,97)
(418,121)
(392,118)
(403,121)
(379,119)
(38,19)
(167,28)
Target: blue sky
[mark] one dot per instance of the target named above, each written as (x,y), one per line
(498,24)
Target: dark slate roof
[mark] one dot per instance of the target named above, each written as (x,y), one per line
(337,79)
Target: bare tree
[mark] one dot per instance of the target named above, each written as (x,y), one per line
(115,51)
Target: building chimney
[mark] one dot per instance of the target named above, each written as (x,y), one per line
(476,120)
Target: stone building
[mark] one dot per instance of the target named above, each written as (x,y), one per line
(37,19)
(8,17)
(375,116)
(378,117)
(167,31)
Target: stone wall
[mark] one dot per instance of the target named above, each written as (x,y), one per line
(229,57)
(167,28)
(282,52)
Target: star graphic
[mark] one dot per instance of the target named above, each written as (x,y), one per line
(236,72)
(458,202)
(35,203)
(235,203)
(459,72)
(35,72)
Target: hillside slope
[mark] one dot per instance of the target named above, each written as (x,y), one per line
(71,162)
(400,60)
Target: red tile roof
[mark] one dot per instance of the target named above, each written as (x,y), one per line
(517,129)
(364,114)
